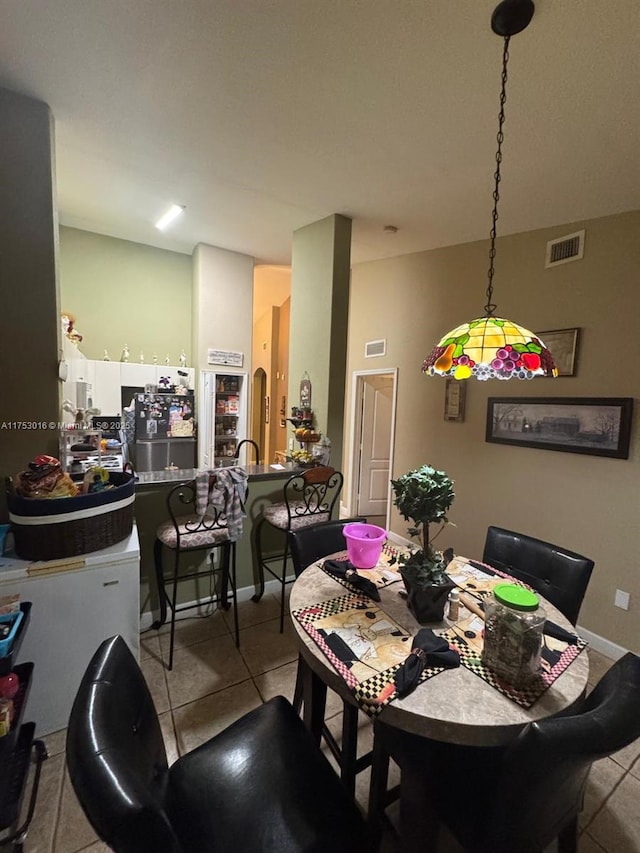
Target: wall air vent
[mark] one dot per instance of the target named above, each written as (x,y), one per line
(565,249)
(372,349)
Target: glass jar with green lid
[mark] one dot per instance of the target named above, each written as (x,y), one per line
(513,627)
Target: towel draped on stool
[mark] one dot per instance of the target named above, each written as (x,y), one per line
(225,490)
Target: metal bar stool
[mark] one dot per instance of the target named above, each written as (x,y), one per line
(308,498)
(197,524)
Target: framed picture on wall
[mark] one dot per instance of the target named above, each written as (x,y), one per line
(599,426)
(454,399)
(563,346)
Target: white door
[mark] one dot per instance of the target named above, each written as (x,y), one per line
(375,445)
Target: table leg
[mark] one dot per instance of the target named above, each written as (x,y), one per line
(314,697)
(419,825)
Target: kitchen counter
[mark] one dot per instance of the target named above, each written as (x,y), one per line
(266,483)
(180,475)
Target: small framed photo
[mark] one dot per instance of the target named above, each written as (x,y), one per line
(454,396)
(563,346)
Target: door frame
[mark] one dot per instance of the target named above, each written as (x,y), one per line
(355,433)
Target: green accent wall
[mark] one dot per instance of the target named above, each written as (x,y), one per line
(126,293)
(319,320)
(29,326)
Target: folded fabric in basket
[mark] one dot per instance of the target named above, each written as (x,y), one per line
(428,650)
(344,570)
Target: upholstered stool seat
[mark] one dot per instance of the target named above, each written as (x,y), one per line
(292,518)
(191,533)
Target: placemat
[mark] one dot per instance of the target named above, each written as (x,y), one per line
(384,573)
(556,656)
(364,646)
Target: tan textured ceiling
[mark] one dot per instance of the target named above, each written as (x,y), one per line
(262,116)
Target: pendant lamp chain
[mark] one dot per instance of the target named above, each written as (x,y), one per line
(490,307)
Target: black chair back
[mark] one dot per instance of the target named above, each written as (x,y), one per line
(314,492)
(261,785)
(116,756)
(541,786)
(311,543)
(561,576)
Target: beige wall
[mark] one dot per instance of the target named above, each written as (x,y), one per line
(271,286)
(587,503)
(126,293)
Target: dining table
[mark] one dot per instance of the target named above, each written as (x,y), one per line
(455,705)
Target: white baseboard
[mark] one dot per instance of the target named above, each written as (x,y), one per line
(600,644)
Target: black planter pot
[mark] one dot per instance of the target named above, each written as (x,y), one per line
(427,603)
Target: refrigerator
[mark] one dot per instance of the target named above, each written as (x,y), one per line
(164,431)
(77,602)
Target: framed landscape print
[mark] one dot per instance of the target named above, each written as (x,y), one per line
(599,426)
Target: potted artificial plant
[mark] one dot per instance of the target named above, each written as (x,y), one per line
(424,496)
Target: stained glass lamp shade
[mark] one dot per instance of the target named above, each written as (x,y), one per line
(490,348)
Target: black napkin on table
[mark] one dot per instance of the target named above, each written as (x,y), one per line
(559,633)
(428,650)
(345,570)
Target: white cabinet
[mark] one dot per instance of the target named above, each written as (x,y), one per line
(106,393)
(72,613)
(137,375)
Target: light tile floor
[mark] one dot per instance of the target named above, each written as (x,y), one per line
(212,684)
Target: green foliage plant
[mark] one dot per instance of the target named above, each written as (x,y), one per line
(424,496)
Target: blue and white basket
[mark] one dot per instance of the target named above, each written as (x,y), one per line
(48,529)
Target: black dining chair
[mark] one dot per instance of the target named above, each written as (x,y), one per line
(561,576)
(308,545)
(260,786)
(308,498)
(185,531)
(514,798)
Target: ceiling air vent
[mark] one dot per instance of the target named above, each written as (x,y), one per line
(565,249)
(375,348)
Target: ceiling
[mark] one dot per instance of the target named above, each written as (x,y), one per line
(262,116)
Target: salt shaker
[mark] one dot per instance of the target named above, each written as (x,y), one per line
(454,604)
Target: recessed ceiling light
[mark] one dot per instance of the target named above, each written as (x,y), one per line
(167,218)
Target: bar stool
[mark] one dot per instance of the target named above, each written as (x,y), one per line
(308,498)
(205,515)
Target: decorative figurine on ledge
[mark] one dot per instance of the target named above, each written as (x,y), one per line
(183,359)
(125,354)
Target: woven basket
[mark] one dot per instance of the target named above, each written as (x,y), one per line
(65,527)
